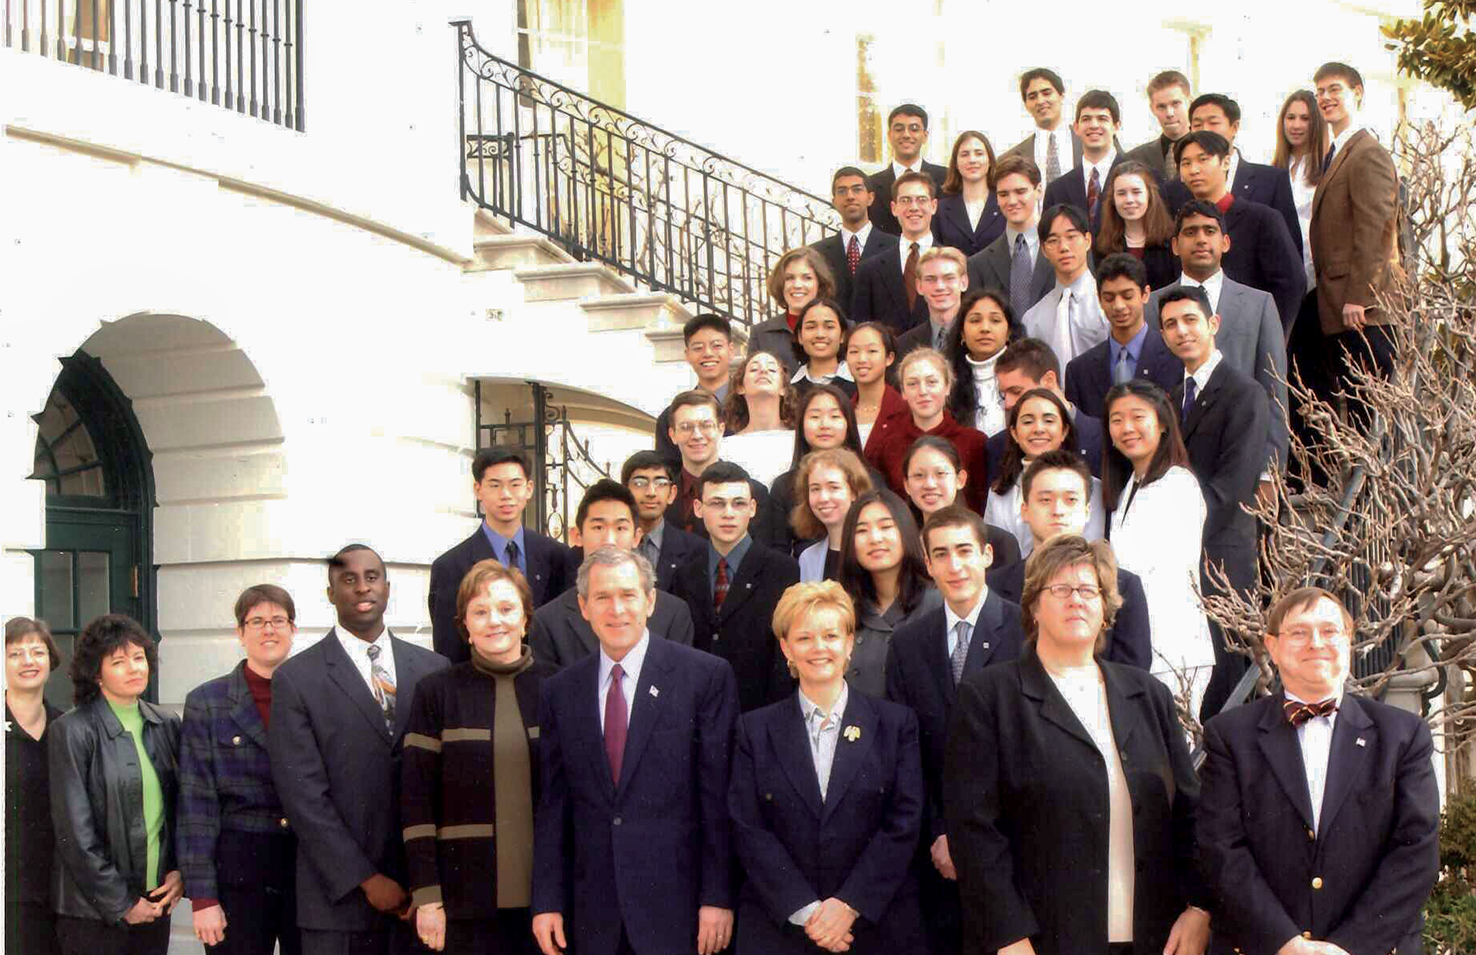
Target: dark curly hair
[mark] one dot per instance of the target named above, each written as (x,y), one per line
(99,640)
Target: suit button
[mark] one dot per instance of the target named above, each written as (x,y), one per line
(235,741)
(617,820)
(1311,835)
(1306,935)
(284,822)
(769,797)
(1317,882)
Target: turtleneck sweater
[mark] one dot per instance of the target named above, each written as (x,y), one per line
(989,417)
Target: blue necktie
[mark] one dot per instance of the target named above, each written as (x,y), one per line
(1123,370)
(1189,389)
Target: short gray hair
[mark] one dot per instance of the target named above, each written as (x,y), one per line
(612,556)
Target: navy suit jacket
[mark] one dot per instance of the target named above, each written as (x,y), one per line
(1129,641)
(877,242)
(645,851)
(991,269)
(1259,183)
(1088,444)
(1089,375)
(337,771)
(1262,253)
(919,675)
(951,224)
(1360,878)
(547,564)
(881,190)
(677,547)
(856,844)
(558,634)
(881,296)
(1070,189)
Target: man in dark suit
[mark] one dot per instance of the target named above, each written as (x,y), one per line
(632,849)
(1013,263)
(652,482)
(886,285)
(1054,494)
(697,430)
(1225,423)
(1319,811)
(907,134)
(503,484)
(559,633)
(1244,179)
(707,342)
(733,587)
(339,710)
(1168,95)
(942,279)
(859,238)
(1042,93)
(926,659)
(1028,363)
(1098,117)
(1132,349)
(1262,253)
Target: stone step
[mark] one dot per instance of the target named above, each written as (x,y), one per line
(516,251)
(648,310)
(570,280)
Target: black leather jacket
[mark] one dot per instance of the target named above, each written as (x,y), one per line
(97,807)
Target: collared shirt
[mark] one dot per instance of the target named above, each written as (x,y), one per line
(951,620)
(937,332)
(899,170)
(654,537)
(1230,173)
(823,730)
(734,559)
(358,654)
(1087,326)
(804,374)
(630,667)
(905,246)
(1341,140)
(1064,152)
(1212,287)
(1103,167)
(860,235)
(1134,348)
(1032,242)
(1315,739)
(1202,376)
(499,546)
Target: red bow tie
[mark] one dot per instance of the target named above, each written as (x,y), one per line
(1299,713)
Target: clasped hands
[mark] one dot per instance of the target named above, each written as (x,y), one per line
(158,903)
(829,926)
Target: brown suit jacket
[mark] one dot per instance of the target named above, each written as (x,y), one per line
(1353,234)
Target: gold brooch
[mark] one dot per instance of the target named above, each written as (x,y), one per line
(852,733)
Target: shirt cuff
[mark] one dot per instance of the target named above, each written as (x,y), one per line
(802,916)
(1265,475)
(197,905)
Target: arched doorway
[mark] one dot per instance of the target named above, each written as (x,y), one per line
(91,454)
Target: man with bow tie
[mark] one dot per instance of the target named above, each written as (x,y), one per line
(1318,812)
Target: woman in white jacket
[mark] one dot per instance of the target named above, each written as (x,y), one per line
(1157,528)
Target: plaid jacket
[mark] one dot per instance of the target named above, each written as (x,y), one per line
(225,780)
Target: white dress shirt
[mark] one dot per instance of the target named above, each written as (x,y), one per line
(1064,153)
(1302,195)
(1103,167)
(1032,243)
(630,668)
(951,621)
(358,652)
(1342,138)
(823,732)
(804,374)
(899,170)
(1234,166)
(1315,739)
(905,246)
(1212,287)
(1202,375)
(860,235)
(1068,332)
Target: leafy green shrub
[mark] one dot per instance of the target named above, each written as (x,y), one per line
(1450,915)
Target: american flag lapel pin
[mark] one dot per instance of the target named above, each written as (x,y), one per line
(1360,741)
(655,691)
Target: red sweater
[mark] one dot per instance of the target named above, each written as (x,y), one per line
(889,452)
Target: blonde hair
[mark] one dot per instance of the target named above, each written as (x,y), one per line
(1057,554)
(926,354)
(806,525)
(944,252)
(803,599)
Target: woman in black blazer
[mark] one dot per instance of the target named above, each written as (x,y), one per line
(1068,788)
(469,773)
(968,216)
(1135,220)
(826,799)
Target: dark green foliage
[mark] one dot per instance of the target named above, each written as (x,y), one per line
(1440,48)
(1450,915)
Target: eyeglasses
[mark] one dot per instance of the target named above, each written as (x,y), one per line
(640,483)
(1064,591)
(1070,235)
(686,428)
(907,202)
(260,623)
(1302,636)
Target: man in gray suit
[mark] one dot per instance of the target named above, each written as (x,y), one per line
(1013,263)
(1169,95)
(1042,92)
(1250,335)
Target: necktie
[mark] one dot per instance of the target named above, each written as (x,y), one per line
(909,277)
(720,588)
(853,255)
(1062,339)
(1189,389)
(1053,159)
(512,555)
(1094,194)
(649,551)
(1123,370)
(1299,713)
(615,723)
(940,332)
(1327,159)
(1020,270)
(1170,168)
(960,649)
(383,686)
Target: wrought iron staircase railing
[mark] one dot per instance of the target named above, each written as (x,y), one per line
(608,187)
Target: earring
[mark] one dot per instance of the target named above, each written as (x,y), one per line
(792,671)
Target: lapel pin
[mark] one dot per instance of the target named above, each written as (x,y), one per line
(853,733)
(984,645)
(1360,741)
(655,691)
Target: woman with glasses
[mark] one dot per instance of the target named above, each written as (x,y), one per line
(30,658)
(237,851)
(1068,788)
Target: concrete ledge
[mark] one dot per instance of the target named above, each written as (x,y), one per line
(634,310)
(486,224)
(574,280)
(515,251)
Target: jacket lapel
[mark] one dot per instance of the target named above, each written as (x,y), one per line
(1278,741)
(1122,713)
(850,752)
(1204,400)
(645,708)
(892,279)
(407,674)
(587,712)
(537,558)
(960,216)
(791,741)
(1351,741)
(1053,706)
(243,708)
(1353,143)
(936,650)
(743,583)
(341,670)
(982,641)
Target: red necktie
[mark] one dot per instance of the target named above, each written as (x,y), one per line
(1299,713)
(720,589)
(853,255)
(1094,194)
(615,723)
(909,277)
